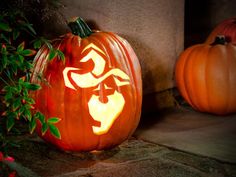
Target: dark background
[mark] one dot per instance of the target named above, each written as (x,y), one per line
(201,16)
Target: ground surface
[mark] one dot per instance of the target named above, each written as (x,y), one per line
(173,143)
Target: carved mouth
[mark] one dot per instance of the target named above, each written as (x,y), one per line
(105,113)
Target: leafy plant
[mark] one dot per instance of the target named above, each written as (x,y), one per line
(18,45)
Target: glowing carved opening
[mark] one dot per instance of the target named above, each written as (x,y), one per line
(99,62)
(108,112)
(105,113)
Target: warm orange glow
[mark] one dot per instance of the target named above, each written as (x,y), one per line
(99,62)
(105,113)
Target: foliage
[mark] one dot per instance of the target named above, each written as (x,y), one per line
(18,45)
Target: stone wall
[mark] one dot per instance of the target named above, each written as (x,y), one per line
(153,27)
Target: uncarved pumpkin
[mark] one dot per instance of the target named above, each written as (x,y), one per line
(96,91)
(226,28)
(206,77)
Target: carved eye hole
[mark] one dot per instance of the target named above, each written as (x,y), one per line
(96,55)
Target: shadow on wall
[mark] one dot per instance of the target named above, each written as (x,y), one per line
(149,78)
(196,21)
(201,16)
(46,17)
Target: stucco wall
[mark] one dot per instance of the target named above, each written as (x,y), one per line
(153,27)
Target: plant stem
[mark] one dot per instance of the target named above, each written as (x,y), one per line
(5,82)
(9,77)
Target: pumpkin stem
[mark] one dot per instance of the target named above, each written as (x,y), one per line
(220,39)
(79,27)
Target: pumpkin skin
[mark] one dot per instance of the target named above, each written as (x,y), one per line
(101,68)
(226,28)
(205,75)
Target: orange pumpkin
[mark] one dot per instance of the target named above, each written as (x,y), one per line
(206,77)
(96,92)
(226,28)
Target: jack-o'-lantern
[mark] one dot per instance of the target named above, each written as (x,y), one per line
(96,92)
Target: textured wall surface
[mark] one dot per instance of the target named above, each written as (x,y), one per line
(153,27)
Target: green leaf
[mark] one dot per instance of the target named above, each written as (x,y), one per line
(5,27)
(4,60)
(16,34)
(2,36)
(27,64)
(48,44)
(21,81)
(29,100)
(19,88)
(61,55)
(21,110)
(29,26)
(40,117)
(10,120)
(44,128)
(32,125)
(27,114)
(28,52)
(54,131)
(21,47)
(25,92)
(37,44)
(52,54)
(14,69)
(8,96)
(53,120)
(16,104)
(20,58)
(30,86)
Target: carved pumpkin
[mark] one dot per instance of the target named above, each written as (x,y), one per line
(226,28)
(206,77)
(96,92)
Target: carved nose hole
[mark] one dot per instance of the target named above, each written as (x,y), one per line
(103,99)
(103,91)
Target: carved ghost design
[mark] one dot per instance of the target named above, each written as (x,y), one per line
(105,113)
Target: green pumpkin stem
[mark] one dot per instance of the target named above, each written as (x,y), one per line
(79,27)
(220,39)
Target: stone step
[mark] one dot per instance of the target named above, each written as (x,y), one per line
(191,131)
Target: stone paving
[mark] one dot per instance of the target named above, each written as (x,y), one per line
(133,158)
(176,143)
